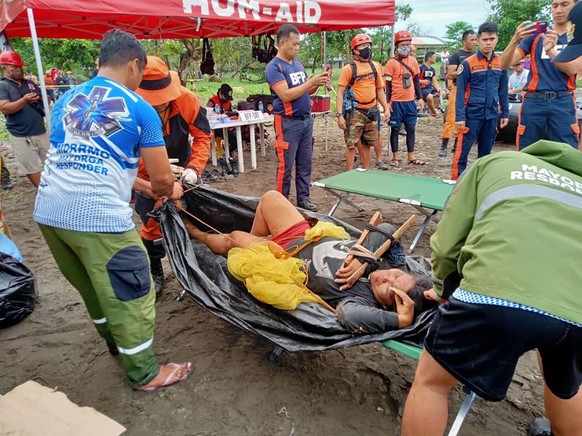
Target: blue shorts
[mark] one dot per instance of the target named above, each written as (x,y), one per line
(427,91)
(403,112)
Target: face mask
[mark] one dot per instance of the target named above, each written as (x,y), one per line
(365,53)
(403,51)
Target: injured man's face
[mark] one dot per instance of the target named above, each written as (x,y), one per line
(383,279)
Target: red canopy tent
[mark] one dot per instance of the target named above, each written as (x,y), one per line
(174,19)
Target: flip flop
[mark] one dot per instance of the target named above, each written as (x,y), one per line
(416,162)
(395,163)
(168,381)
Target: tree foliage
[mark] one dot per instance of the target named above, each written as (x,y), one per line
(508,14)
(454,34)
(77,55)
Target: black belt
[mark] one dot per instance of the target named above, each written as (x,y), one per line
(297,117)
(548,95)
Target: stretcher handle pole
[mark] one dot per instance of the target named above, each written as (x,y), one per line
(375,220)
(381,250)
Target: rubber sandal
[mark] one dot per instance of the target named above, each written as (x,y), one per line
(416,162)
(168,381)
(395,163)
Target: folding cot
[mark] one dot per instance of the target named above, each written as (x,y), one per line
(427,195)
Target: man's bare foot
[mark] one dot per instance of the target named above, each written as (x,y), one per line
(168,375)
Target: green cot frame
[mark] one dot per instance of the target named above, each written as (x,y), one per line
(425,194)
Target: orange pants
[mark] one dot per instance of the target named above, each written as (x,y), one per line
(449,126)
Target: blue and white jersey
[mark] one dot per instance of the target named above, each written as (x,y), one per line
(97,130)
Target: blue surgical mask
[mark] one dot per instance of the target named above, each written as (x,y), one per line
(404,51)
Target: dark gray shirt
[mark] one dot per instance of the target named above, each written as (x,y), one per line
(29,121)
(357,307)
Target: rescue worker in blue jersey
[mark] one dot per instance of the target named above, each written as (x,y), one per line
(549,105)
(481,90)
(292,107)
(100,130)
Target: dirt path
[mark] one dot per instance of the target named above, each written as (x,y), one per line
(234,389)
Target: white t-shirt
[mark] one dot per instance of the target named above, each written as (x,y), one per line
(516,81)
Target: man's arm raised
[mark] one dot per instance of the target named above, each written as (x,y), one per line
(511,55)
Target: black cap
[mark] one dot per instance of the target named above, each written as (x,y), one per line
(226,90)
(574,48)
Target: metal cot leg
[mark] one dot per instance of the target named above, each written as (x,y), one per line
(422,229)
(460,418)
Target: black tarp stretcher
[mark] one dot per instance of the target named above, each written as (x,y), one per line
(204,277)
(425,194)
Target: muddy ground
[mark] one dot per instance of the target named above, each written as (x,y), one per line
(234,389)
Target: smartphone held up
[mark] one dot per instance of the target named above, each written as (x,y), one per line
(540,27)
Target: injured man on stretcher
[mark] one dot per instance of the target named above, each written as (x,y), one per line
(384,298)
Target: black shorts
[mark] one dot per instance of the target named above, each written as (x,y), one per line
(480,344)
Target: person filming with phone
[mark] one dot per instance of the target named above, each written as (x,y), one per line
(548,103)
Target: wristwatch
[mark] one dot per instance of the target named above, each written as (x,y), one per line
(338,114)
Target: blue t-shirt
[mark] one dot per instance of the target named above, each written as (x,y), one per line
(294,74)
(97,130)
(544,76)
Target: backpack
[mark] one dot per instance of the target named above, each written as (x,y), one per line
(350,102)
(207,64)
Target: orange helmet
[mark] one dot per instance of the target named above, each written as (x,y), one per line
(11,58)
(360,38)
(402,35)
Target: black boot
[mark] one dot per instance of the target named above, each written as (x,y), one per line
(225,168)
(112,349)
(157,276)
(233,166)
(443,149)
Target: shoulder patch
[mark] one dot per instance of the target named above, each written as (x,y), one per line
(460,69)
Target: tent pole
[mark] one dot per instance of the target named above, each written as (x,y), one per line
(39,67)
(324,47)
(392,43)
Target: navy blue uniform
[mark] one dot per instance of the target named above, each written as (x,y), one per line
(293,128)
(549,104)
(481,91)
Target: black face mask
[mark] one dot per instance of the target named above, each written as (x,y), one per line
(365,53)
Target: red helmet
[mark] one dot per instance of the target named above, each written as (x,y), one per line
(11,58)
(402,35)
(360,38)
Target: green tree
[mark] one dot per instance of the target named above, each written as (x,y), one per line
(454,34)
(77,55)
(508,14)
(382,36)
